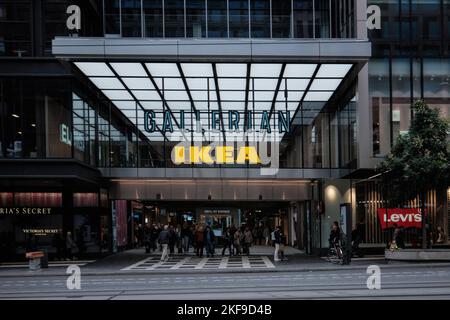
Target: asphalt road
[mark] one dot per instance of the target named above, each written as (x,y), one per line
(396,283)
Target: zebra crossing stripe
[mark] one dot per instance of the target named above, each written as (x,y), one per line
(223,264)
(246,262)
(201,264)
(268,263)
(180,263)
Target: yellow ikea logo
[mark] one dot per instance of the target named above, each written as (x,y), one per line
(215,155)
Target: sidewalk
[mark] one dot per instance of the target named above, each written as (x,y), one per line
(297,262)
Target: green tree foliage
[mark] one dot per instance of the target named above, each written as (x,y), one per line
(419,160)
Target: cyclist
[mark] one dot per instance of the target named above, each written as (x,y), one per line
(335,234)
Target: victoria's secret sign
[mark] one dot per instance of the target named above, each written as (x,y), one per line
(25,211)
(408,218)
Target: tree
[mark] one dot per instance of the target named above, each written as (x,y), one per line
(419,160)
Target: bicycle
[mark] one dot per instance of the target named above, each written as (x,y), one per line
(335,253)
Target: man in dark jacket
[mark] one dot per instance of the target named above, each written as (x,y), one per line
(227,241)
(210,240)
(163,240)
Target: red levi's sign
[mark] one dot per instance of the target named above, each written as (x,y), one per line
(407,218)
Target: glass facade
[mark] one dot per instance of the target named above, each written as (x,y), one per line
(230,18)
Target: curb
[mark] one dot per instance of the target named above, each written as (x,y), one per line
(223,271)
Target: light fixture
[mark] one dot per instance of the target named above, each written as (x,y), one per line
(33,125)
(15,115)
(19,132)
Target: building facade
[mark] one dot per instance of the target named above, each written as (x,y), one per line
(253,113)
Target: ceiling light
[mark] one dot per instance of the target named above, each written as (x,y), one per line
(15,115)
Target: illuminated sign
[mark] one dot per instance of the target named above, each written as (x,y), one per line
(40,231)
(25,211)
(215,155)
(235,120)
(402,217)
(65,135)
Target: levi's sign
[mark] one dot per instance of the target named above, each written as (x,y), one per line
(403,217)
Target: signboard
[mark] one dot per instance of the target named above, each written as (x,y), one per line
(403,217)
(343,219)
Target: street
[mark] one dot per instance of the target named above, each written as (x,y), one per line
(401,282)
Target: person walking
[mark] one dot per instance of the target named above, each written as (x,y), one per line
(266,234)
(237,241)
(248,239)
(398,237)
(210,240)
(277,241)
(172,239)
(199,241)
(186,237)
(227,241)
(70,245)
(163,240)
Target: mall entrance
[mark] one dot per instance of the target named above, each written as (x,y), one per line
(260,217)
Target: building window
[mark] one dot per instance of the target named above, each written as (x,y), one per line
(195,18)
(112,16)
(260,18)
(379,103)
(217,19)
(174,18)
(281,18)
(131,18)
(153,18)
(303,19)
(239,19)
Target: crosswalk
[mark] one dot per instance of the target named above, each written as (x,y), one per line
(195,263)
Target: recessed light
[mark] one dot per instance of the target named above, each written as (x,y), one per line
(19,132)
(33,125)
(15,115)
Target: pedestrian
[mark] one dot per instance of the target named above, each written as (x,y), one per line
(185,235)
(179,239)
(259,234)
(199,241)
(154,234)
(277,242)
(440,235)
(237,241)
(163,240)
(266,234)
(227,241)
(248,239)
(282,246)
(70,245)
(210,240)
(398,237)
(172,239)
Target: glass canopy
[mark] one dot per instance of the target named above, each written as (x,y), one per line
(200,89)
